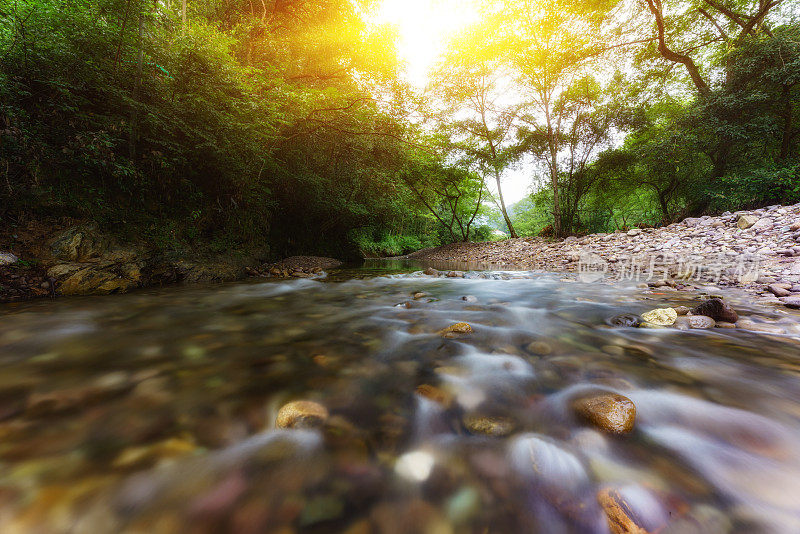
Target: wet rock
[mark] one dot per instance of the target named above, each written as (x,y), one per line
(632,510)
(470,298)
(778,290)
(681,310)
(301,414)
(616,510)
(661,317)
(717,310)
(419,295)
(455,274)
(7,258)
(488,425)
(430,271)
(437,395)
(723,324)
(96,281)
(458,328)
(626,320)
(763,328)
(610,412)
(791,302)
(746,221)
(701,322)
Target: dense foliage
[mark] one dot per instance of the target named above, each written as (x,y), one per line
(277,125)
(285,124)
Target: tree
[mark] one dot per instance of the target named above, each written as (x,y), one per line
(468,89)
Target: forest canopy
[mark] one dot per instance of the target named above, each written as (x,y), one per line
(293,125)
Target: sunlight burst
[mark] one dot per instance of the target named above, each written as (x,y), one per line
(424,27)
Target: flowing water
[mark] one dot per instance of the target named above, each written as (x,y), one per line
(154,412)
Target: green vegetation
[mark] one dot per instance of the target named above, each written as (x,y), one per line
(286,124)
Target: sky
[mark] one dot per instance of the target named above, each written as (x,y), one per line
(424,27)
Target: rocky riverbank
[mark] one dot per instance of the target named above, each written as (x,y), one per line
(40,260)
(756,250)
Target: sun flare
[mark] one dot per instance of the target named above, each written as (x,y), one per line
(424,27)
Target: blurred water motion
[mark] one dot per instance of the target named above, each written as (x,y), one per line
(155,411)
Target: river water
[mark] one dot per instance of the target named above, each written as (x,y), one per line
(154,412)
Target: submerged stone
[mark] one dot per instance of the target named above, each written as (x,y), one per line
(610,412)
(618,513)
(701,322)
(488,425)
(626,320)
(458,328)
(301,414)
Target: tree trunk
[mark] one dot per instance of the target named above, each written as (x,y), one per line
(511,230)
(183,16)
(557,230)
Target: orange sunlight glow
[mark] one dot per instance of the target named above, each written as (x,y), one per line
(424,27)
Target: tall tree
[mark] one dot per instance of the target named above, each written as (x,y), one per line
(473,106)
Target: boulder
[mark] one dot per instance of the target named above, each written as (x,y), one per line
(610,412)
(746,221)
(91,279)
(717,310)
(79,243)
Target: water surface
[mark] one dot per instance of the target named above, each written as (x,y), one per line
(154,411)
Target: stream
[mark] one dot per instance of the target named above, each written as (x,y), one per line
(154,412)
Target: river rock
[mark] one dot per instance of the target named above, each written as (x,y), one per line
(626,320)
(430,271)
(764,328)
(487,425)
(458,328)
(681,310)
(791,302)
(778,290)
(610,412)
(746,221)
(634,232)
(7,258)
(701,322)
(618,513)
(301,414)
(717,310)
(661,317)
(762,225)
